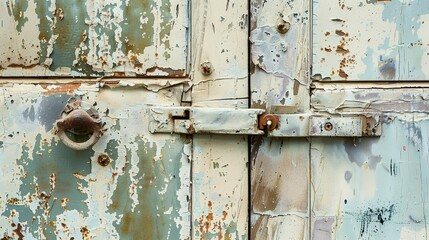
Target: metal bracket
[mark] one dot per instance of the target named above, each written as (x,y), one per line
(190,120)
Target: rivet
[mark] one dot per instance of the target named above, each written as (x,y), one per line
(206,68)
(103,159)
(282,26)
(268,121)
(328,126)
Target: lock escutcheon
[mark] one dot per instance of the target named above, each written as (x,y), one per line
(79,118)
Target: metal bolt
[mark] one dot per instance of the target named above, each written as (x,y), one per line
(206,68)
(328,126)
(103,159)
(282,26)
(268,121)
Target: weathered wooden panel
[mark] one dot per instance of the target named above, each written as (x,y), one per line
(48,191)
(93,38)
(399,98)
(372,188)
(370,40)
(280,84)
(220,163)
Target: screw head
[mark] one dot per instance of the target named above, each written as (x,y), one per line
(206,68)
(268,121)
(282,26)
(328,126)
(103,159)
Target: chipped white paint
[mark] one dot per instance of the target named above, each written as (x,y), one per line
(370,40)
(219,170)
(27,141)
(97,38)
(280,84)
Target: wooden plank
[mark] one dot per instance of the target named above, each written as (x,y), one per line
(94,38)
(370,40)
(372,188)
(279,84)
(220,163)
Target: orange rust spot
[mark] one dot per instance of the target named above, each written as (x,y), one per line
(342,74)
(224,213)
(209,219)
(328,49)
(327,33)
(342,50)
(85,232)
(68,88)
(343,63)
(119,74)
(13,201)
(341,33)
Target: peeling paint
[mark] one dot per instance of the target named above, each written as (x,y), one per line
(94,38)
(50,191)
(370,41)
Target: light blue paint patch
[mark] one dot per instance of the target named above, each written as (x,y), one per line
(401,194)
(409,52)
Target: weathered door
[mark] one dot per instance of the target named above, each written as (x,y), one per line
(342,58)
(120,58)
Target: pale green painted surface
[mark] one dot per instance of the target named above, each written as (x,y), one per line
(49,191)
(93,38)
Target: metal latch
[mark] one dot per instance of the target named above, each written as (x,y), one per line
(190,120)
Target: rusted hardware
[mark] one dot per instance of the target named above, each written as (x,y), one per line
(268,121)
(103,159)
(206,68)
(328,126)
(357,125)
(282,26)
(80,119)
(189,120)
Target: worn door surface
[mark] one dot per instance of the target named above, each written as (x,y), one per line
(121,58)
(338,58)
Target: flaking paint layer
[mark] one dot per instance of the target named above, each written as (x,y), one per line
(94,38)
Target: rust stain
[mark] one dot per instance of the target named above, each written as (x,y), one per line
(327,49)
(119,74)
(85,232)
(68,88)
(224,213)
(18,232)
(207,224)
(342,50)
(169,71)
(341,33)
(14,65)
(256,227)
(268,197)
(295,88)
(342,74)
